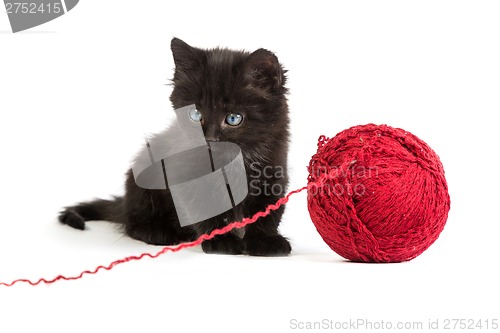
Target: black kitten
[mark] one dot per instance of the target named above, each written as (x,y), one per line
(250,88)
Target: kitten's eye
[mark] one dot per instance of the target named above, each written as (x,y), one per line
(234,119)
(195,115)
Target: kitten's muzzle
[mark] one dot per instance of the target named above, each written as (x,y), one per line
(212,139)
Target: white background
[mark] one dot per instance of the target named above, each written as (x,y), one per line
(78,94)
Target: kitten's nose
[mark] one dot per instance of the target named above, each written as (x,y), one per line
(212,134)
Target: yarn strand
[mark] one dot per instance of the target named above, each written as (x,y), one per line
(399,212)
(175,248)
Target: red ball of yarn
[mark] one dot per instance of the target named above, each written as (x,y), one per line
(377,194)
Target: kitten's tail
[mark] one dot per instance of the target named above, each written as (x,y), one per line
(107,210)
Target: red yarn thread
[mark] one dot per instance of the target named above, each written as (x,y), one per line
(393,215)
(385,198)
(176,248)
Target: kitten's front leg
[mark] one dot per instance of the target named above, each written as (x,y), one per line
(221,244)
(262,237)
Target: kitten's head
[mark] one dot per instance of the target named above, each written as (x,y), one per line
(240,96)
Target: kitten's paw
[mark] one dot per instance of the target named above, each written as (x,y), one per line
(223,244)
(154,234)
(267,246)
(72,218)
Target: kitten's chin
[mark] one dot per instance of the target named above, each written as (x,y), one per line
(239,144)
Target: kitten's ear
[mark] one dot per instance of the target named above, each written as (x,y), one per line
(263,69)
(185,57)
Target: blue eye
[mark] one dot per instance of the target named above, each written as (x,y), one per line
(234,119)
(195,115)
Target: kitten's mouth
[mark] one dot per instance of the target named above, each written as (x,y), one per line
(209,141)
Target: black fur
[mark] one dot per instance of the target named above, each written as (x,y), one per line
(219,81)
